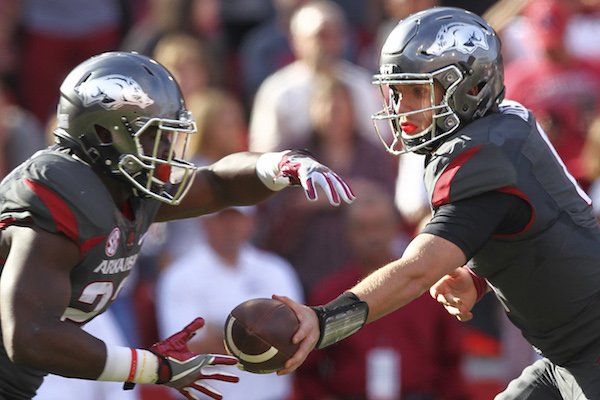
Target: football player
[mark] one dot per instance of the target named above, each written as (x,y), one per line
(507,215)
(74,216)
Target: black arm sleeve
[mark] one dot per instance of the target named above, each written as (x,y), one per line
(471,222)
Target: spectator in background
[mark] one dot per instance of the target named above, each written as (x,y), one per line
(155,19)
(222,127)
(584,29)
(190,60)
(21,135)
(506,17)
(212,278)
(241,16)
(221,131)
(562,90)
(421,344)
(591,163)
(363,18)
(206,19)
(281,106)
(267,48)
(9,21)
(56,36)
(199,19)
(308,235)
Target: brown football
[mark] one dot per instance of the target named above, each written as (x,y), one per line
(259,333)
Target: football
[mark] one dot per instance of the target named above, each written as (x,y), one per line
(259,333)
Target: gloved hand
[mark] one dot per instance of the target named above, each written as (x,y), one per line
(184,370)
(298,168)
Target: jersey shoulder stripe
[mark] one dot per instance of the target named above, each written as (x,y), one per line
(478,160)
(58,193)
(61,213)
(441,192)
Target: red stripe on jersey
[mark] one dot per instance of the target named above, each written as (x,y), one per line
(514,191)
(441,191)
(90,243)
(61,213)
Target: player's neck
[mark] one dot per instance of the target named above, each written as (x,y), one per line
(119,191)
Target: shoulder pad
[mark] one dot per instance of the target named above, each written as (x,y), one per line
(464,170)
(59,194)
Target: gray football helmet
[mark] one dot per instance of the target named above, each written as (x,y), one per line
(108,103)
(453,47)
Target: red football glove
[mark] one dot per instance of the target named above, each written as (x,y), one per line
(184,370)
(303,170)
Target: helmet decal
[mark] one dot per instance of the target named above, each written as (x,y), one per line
(109,105)
(448,48)
(465,38)
(113,92)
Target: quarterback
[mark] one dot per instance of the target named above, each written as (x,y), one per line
(74,216)
(507,215)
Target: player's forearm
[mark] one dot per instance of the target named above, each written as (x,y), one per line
(65,349)
(388,289)
(59,348)
(238,181)
(424,262)
(248,178)
(228,182)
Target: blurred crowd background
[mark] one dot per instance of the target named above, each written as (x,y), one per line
(267,75)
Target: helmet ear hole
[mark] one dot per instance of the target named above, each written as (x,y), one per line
(475,90)
(103,134)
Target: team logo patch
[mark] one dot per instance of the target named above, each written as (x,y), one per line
(113,92)
(459,36)
(112,243)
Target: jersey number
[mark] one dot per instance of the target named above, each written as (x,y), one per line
(100,293)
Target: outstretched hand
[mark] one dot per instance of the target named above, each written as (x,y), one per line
(185,370)
(457,293)
(303,170)
(307,334)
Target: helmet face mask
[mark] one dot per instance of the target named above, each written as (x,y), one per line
(124,113)
(442,120)
(444,47)
(155,167)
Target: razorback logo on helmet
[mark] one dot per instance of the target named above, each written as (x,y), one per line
(113,92)
(459,36)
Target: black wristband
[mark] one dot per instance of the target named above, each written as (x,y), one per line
(340,318)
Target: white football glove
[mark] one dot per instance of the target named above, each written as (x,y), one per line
(298,168)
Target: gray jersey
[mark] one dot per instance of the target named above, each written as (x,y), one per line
(57,193)
(548,275)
